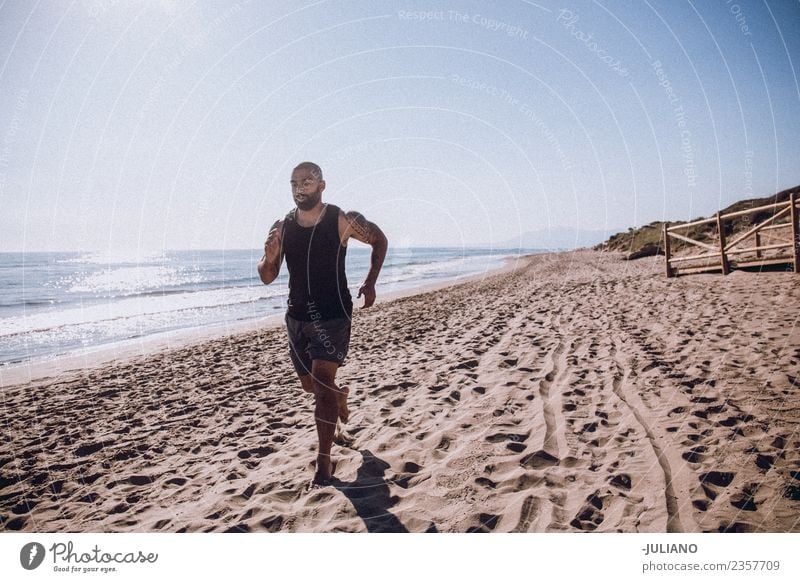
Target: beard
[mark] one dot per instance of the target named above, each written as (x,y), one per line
(311,200)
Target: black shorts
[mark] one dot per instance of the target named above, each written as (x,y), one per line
(321,339)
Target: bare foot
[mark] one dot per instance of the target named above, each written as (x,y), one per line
(318,482)
(324,474)
(341,399)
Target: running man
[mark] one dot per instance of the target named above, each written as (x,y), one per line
(313,238)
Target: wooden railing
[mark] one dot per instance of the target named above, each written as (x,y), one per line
(771,237)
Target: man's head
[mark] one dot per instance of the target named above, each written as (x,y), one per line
(307,185)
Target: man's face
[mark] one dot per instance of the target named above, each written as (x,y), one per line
(306,189)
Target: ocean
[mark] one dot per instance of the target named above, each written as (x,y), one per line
(63,303)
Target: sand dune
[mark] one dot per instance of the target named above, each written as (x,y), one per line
(577,393)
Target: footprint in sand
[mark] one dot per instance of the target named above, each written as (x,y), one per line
(539,460)
(590,515)
(485,482)
(517,444)
(745,499)
(486,522)
(622,481)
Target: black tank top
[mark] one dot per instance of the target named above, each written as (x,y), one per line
(316,258)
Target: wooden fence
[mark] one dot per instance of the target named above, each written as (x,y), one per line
(771,238)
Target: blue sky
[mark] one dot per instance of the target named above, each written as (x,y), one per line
(141,126)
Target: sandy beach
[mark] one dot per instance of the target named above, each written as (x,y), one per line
(578,392)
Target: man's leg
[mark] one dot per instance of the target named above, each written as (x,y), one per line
(298,351)
(307,382)
(331,341)
(326,413)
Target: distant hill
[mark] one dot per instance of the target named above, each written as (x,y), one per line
(647,240)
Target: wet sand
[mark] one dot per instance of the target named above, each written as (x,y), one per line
(577,393)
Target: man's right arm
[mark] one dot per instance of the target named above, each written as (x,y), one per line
(270,264)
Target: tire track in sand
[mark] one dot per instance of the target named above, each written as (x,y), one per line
(676,487)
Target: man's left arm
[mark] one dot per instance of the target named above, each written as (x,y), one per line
(361,229)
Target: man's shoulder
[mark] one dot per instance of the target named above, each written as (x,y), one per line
(350,219)
(345,215)
(351,215)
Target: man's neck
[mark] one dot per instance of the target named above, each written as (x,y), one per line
(309,217)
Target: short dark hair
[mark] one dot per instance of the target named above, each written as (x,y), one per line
(316,171)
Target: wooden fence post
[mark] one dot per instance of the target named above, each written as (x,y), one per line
(795,231)
(670,272)
(725,266)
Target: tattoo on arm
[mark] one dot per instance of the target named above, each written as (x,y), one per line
(365,231)
(361,228)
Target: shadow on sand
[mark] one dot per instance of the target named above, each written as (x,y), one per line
(369,494)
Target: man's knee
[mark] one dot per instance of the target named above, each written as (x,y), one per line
(323,374)
(324,387)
